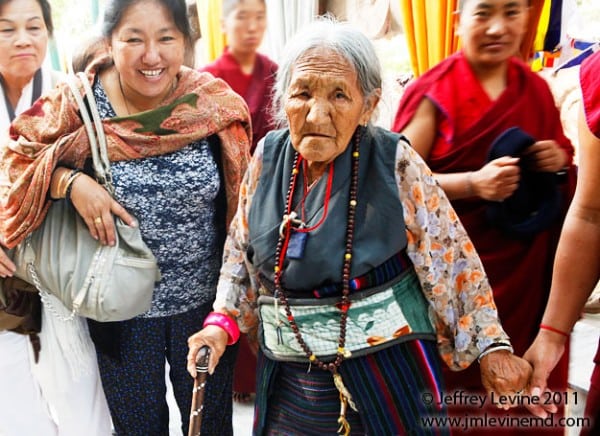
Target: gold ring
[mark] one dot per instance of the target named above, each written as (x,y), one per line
(98,220)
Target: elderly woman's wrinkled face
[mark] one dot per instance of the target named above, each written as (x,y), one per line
(324,104)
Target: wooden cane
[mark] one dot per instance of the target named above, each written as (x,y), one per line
(198,391)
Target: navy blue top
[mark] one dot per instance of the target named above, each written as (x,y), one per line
(173,197)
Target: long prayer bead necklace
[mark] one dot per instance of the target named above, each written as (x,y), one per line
(344,303)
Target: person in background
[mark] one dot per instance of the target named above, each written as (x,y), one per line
(455,116)
(90,49)
(38,398)
(251,75)
(178,141)
(357,262)
(193,53)
(576,268)
(248,72)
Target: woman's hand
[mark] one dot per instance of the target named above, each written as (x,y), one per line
(498,179)
(547,156)
(213,336)
(543,355)
(97,207)
(7,267)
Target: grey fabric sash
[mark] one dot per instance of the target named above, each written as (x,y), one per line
(379,228)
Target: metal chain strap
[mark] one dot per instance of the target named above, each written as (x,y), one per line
(45,297)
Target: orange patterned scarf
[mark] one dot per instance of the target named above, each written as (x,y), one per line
(51,133)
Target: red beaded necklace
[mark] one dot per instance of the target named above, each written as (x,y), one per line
(344,303)
(306,191)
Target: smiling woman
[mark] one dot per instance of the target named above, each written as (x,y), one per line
(146,58)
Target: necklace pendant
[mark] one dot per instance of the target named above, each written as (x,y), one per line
(296,245)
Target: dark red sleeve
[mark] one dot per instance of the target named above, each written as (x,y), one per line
(408,105)
(416,91)
(589,77)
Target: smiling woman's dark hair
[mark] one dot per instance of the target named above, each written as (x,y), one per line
(46,12)
(114,10)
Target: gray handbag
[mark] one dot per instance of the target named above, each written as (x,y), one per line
(101,282)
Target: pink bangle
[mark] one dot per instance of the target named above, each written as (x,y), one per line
(555,330)
(226,323)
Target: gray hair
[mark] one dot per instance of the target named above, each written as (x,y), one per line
(340,37)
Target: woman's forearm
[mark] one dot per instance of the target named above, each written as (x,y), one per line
(456,185)
(59,182)
(576,269)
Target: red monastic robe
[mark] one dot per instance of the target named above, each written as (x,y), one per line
(255,88)
(468,122)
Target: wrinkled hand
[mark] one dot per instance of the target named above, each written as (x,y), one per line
(543,355)
(213,336)
(504,374)
(96,207)
(546,156)
(7,267)
(498,179)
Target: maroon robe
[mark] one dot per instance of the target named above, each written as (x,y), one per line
(519,270)
(255,88)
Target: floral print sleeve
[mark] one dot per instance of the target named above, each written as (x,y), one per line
(450,272)
(237,286)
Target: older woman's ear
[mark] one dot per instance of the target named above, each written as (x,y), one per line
(371,103)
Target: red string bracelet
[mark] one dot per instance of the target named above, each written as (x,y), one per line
(555,330)
(226,323)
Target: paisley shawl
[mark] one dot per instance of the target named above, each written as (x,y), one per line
(51,134)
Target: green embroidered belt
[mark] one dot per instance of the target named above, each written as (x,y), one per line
(378,318)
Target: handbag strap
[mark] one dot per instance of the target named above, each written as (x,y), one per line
(95,131)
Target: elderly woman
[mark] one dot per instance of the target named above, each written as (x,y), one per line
(178,141)
(351,263)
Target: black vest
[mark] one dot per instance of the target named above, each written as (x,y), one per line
(379,230)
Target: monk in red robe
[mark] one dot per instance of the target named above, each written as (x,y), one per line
(452,115)
(248,72)
(251,75)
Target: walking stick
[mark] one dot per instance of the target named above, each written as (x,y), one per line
(198,391)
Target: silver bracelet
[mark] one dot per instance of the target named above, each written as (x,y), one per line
(493,348)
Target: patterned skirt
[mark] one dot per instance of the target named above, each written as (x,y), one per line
(395,392)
